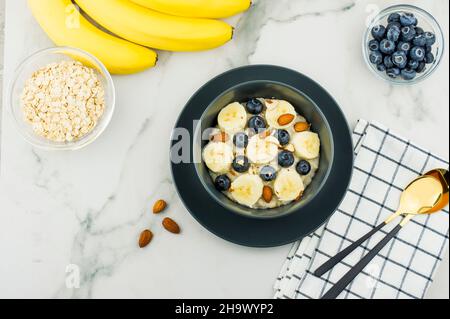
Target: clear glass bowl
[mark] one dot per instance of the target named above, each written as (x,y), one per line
(426,21)
(41,59)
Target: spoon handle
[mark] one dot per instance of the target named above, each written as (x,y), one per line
(333,261)
(336,290)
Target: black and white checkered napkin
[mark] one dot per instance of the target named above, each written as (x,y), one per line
(385,163)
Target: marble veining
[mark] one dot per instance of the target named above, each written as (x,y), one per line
(87,208)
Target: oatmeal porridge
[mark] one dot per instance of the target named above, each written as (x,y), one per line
(262,154)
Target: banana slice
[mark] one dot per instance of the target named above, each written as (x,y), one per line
(262,150)
(271,103)
(232,118)
(218,157)
(247,189)
(288,185)
(306,144)
(282,108)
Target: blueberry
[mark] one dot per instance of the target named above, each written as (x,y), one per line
(374,45)
(408,19)
(254,106)
(429,58)
(376,57)
(420,40)
(394,17)
(256,123)
(240,140)
(393,33)
(431,38)
(303,167)
(399,59)
(417,53)
(268,173)
(408,34)
(419,31)
(404,46)
(428,48)
(413,64)
(421,67)
(222,183)
(387,46)
(241,164)
(381,67)
(408,74)
(395,24)
(393,72)
(285,159)
(388,62)
(378,32)
(283,137)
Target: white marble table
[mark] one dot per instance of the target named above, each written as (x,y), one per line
(88,207)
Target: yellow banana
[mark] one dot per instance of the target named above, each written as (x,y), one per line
(197,8)
(63,23)
(157,30)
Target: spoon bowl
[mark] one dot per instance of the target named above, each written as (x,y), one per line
(443,175)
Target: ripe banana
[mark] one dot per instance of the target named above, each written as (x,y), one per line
(63,23)
(288,185)
(247,189)
(262,150)
(232,118)
(274,113)
(157,30)
(197,8)
(218,157)
(306,144)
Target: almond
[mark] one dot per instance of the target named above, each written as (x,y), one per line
(170,225)
(159,206)
(301,127)
(265,133)
(285,119)
(267,194)
(145,238)
(220,137)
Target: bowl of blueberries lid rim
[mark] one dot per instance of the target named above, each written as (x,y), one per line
(403,44)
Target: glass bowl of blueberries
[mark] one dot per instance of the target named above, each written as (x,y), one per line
(403,44)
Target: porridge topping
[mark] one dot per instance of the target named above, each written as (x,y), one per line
(63,101)
(262,154)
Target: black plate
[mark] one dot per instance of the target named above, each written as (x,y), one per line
(253,232)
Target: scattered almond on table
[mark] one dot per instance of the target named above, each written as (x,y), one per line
(170,225)
(145,238)
(159,206)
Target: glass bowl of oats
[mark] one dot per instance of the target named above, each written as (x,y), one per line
(61,98)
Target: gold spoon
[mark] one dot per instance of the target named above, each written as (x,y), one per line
(441,174)
(425,195)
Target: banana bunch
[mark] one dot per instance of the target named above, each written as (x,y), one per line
(135,26)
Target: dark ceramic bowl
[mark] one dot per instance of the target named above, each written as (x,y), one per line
(303,105)
(273,227)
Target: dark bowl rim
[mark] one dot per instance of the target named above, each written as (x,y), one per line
(288,207)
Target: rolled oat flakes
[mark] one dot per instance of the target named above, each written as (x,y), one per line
(63,101)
